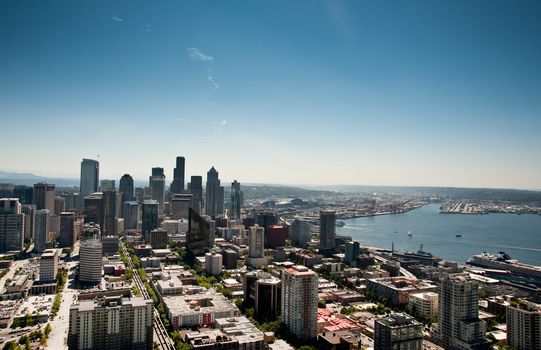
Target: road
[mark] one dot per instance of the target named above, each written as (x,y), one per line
(403,271)
(160,333)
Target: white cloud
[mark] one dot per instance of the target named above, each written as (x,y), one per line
(179,120)
(211,80)
(117,19)
(223,122)
(198,55)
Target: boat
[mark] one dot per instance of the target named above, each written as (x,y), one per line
(340,224)
(421,256)
(410,234)
(458,235)
(395,231)
(502,261)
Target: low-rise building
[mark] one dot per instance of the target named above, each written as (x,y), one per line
(424,305)
(398,331)
(398,289)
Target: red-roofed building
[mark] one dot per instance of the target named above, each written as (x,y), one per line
(329,321)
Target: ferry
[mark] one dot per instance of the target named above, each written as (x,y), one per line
(410,234)
(458,235)
(421,256)
(502,261)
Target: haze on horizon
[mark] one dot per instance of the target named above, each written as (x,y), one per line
(308,92)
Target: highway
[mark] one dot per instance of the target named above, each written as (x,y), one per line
(160,333)
(403,271)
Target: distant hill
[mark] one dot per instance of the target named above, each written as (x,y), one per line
(30,179)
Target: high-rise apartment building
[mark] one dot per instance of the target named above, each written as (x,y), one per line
(48,266)
(213,263)
(157,186)
(398,331)
(236,200)
(44,196)
(300,232)
(299,301)
(256,239)
(327,231)
(524,325)
(90,262)
(67,230)
(214,196)
(11,225)
(149,218)
(112,323)
(126,189)
(42,230)
(130,211)
(90,177)
(459,326)
(177,186)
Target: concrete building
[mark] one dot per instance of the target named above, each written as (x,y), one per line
(110,245)
(126,190)
(48,266)
(256,238)
(90,177)
(59,205)
(107,185)
(41,230)
(353,249)
(67,230)
(156,182)
(299,301)
(44,196)
(149,216)
(180,206)
(112,323)
(459,326)
(524,326)
(213,263)
(398,289)
(275,236)
(264,292)
(177,186)
(130,213)
(93,208)
(214,195)
(424,305)
(236,200)
(300,232)
(11,226)
(29,211)
(327,231)
(158,238)
(398,331)
(90,262)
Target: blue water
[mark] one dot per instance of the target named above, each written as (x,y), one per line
(518,235)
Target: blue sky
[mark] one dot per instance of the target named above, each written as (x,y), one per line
(300,92)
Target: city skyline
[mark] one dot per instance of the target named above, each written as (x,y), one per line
(427,94)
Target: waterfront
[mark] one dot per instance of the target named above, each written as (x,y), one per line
(518,235)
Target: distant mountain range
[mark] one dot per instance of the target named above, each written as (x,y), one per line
(30,179)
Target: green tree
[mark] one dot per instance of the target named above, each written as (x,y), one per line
(48,329)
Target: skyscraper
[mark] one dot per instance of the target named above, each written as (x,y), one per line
(29,211)
(90,177)
(214,197)
(198,238)
(236,200)
(149,217)
(90,262)
(256,239)
(459,326)
(177,186)
(300,232)
(131,214)
(524,325)
(126,189)
(44,196)
(42,230)
(353,249)
(67,229)
(111,199)
(157,186)
(398,331)
(11,225)
(94,211)
(24,193)
(299,301)
(327,231)
(107,185)
(196,188)
(112,323)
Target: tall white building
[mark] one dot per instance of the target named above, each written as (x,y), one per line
(41,230)
(299,301)
(48,266)
(256,240)
(524,326)
(157,187)
(90,261)
(459,326)
(11,225)
(213,263)
(112,323)
(90,177)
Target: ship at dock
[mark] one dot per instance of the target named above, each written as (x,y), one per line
(502,261)
(421,256)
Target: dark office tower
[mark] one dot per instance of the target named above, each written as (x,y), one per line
(94,211)
(11,225)
(67,230)
(266,218)
(196,188)
(177,186)
(131,214)
(157,186)
(236,200)
(126,189)
(214,196)
(24,193)
(327,231)
(111,199)
(44,196)
(139,194)
(149,218)
(199,234)
(353,249)
(90,177)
